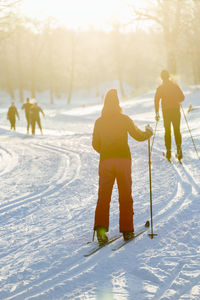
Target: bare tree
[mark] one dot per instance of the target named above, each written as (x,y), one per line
(72,65)
(7,29)
(192,27)
(7,17)
(19,61)
(167,15)
(35,51)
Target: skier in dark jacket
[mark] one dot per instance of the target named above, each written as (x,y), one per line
(35,117)
(171,96)
(110,140)
(27,107)
(11,115)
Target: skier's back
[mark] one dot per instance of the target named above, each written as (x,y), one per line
(110,137)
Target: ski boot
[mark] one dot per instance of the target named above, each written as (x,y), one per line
(101,235)
(168,155)
(128,235)
(179,153)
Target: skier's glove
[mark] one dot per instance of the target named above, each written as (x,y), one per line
(189,108)
(157,117)
(149,129)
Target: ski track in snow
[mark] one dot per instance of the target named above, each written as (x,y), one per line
(8,161)
(49,189)
(56,185)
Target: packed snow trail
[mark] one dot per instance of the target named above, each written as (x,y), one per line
(48,192)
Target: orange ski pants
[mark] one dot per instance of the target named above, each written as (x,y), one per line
(109,170)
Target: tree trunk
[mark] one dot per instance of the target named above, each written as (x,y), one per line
(19,65)
(51,85)
(33,84)
(10,88)
(51,93)
(71,80)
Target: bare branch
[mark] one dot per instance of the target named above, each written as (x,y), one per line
(146,16)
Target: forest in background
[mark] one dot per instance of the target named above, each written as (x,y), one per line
(37,56)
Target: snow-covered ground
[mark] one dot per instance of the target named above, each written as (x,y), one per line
(48,192)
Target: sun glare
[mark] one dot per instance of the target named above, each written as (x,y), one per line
(79,14)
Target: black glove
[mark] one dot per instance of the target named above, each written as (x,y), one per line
(149,128)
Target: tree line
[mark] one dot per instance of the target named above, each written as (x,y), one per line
(37,56)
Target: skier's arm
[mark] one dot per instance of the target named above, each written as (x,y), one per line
(23,107)
(42,112)
(17,113)
(136,133)
(96,141)
(157,101)
(180,95)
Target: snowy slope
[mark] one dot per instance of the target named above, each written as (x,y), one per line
(48,192)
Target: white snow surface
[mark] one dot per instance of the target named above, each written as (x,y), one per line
(48,194)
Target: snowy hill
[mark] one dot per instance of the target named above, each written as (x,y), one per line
(48,193)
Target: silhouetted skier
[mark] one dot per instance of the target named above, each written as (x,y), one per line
(35,117)
(110,140)
(11,115)
(171,96)
(27,107)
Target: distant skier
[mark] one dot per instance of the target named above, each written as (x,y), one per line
(171,96)
(11,115)
(35,117)
(110,139)
(27,107)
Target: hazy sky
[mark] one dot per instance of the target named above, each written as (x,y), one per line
(81,13)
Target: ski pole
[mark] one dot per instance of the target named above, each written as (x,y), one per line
(190,132)
(151,208)
(92,237)
(154,136)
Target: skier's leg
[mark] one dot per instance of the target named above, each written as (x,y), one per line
(39,125)
(33,126)
(12,121)
(106,182)
(167,126)
(10,124)
(124,182)
(176,126)
(28,123)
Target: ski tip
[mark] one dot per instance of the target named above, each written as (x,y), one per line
(147,224)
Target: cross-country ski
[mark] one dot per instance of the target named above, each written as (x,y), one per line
(97,247)
(117,237)
(136,234)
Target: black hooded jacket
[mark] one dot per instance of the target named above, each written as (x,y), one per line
(110,135)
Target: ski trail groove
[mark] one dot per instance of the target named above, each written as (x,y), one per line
(57,185)
(180,200)
(8,160)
